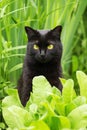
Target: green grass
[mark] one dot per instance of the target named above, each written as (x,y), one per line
(45,14)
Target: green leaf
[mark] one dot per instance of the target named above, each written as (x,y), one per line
(16,67)
(55,123)
(56,91)
(63,81)
(74,63)
(41,89)
(59,122)
(80,100)
(12,99)
(69,107)
(68,92)
(2,125)
(60,108)
(82,80)
(16,117)
(39,125)
(64,121)
(78,117)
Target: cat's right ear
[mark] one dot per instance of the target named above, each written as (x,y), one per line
(30,32)
(57,30)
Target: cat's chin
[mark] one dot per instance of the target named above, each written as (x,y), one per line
(42,60)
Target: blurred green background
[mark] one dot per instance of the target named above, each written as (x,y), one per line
(41,14)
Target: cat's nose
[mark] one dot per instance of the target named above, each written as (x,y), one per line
(42,53)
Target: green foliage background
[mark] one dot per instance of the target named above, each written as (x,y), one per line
(41,14)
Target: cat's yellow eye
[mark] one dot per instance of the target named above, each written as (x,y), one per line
(36,47)
(49,47)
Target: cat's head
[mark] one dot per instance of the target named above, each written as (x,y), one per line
(44,45)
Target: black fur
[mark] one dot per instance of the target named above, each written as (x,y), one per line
(42,61)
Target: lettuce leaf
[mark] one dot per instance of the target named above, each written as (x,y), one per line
(16,117)
(68,92)
(78,117)
(47,108)
(82,80)
(39,125)
(11,99)
(41,90)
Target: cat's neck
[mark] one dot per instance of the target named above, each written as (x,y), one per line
(49,66)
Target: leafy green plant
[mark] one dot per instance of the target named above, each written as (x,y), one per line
(47,108)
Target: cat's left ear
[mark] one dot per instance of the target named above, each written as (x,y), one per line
(30,31)
(57,30)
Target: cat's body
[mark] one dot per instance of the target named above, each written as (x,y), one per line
(43,57)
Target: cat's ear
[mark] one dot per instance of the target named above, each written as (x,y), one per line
(30,32)
(57,30)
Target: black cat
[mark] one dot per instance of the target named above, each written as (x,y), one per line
(43,57)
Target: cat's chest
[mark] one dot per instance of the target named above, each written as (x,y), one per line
(46,70)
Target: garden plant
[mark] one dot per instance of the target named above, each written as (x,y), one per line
(47,108)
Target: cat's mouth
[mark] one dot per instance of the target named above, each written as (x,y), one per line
(42,59)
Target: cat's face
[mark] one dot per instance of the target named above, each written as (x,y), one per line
(44,45)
